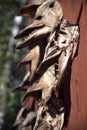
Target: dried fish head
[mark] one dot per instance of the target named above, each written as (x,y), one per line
(69,34)
(42,25)
(25,119)
(20,117)
(49,13)
(46,84)
(68,40)
(30,9)
(32,56)
(64,47)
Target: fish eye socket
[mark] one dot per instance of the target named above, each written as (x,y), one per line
(64,42)
(39,18)
(51,5)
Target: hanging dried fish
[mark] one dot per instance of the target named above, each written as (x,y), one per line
(49,9)
(67,35)
(64,47)
(67,40)
(49,60)
(70,44)
(32,58)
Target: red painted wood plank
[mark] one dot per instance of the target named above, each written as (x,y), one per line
(78,88)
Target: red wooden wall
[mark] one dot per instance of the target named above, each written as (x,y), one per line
(75,94)
(78,82)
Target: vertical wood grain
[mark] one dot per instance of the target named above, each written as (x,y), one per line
(78,83)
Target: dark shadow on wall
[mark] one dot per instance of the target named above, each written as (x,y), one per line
(64,94)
